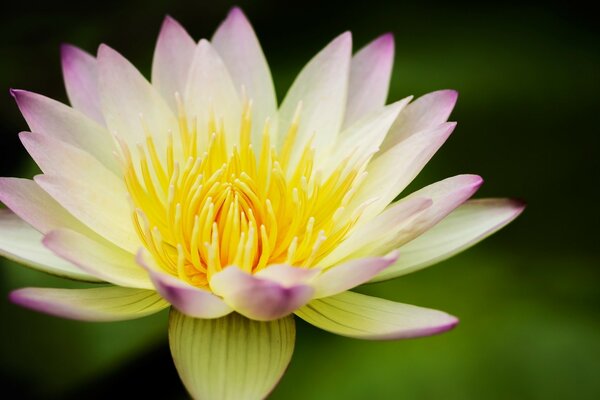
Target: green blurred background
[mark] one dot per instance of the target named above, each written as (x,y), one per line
(528,298)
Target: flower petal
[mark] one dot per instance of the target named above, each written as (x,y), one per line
(257,297)
(231,358)
(392,171)
(105,212)
(172,60)
(365,317)
(26,199)
(321,88)
(210,93)
(425,113)
(132,107)
(51,118)
(395,227)
(110,303)
(81,81)
(468,224)
(190,300)
(99,258)
(370,73)
(350,274)
(364,137)
(238,46)
(21,243)
(374,234)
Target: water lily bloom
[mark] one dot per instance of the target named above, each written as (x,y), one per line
(197,191)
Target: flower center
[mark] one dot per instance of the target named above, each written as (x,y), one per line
(204,204)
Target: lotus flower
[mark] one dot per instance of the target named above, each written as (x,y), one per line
(198,192)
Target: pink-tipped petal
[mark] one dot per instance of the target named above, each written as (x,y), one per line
(425,113)
(190,300)
(20,242)
(172,60)
(51,118)
(98,257)
(26,199)
(365,317)
(467,225)
(238,46)
(370,73)
(111,303)
(350,274)
(321,89)
(81,81)
(257,297)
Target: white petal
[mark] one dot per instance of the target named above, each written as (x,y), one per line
(467,225)
(51,118)
(231,358)
(321,88)
(425,113)
(131,105)
(26,199)
(104,211)
(172,60)
(390,173)
(99,258)
(238,46)
(365,317)
(364,137)
(111,303)
(370,73)
(21,243)
(375,234)
(81,81)
(210,90)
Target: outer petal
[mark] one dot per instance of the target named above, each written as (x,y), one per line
(468,224)
(81,81)
(21,243)
(392,171)
(395,227)
(111,303)
(365,317)
(131,105)
(54,119)
(172,59)
(321,88)
(425,113)
(236,43)
(350,274)
(90,192)
(257,297)
(210,92)
(26,199)
(370,73)
(99,258)
(379,231)
(190,300)
(231,358)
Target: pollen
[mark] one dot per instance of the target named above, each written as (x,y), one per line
(200,204)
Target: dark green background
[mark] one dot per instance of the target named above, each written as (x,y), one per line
(528,298)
